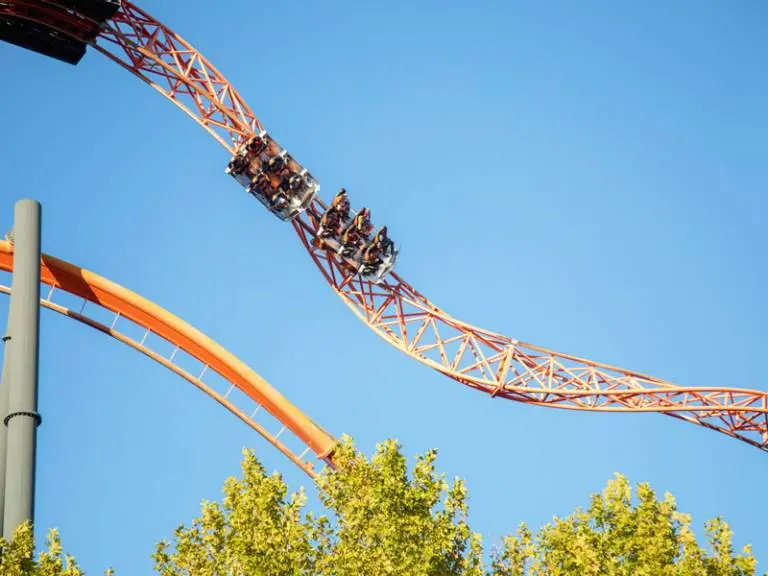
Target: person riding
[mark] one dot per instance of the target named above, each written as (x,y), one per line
(239,164)
(340,203)
(260,182)
(295,183)
(273,165)
(363,222)
(371,257)
(262,185)
(381,238)
(256,146)
(336,215)
(350,240)
(375,250)
(276,196)
(357,232)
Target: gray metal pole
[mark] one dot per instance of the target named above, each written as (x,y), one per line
(22,419)
(4,398)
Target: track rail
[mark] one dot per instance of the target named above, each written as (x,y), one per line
(500,366)
(132,314)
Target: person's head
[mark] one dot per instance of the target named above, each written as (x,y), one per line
(255,144)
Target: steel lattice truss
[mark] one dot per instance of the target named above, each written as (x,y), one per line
(497,365)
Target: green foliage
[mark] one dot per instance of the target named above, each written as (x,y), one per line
(17,556)
(388,523)
(613,537)
(256,530)
(382,520)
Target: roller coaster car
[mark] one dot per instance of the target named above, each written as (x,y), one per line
(350,238)
(372,258)
(270,174)
(46,39)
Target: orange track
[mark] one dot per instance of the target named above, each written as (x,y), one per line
(497,365)
(128,307)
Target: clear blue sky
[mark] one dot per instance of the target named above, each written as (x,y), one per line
(592,179)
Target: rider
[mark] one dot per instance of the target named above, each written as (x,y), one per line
(276,196)
(340,202)
(381,238)
(363,223)
(336,215)
(239,164)
(256,146)
(357,231)
(273,165)
(262,185)
(295,183)
(371,257)
(375,249)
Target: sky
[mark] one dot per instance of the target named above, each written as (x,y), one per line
(590,178)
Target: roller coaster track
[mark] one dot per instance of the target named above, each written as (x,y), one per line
(132,314)
(501,367)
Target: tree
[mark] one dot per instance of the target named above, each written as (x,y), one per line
(381,520)
(614,538)
(17,556)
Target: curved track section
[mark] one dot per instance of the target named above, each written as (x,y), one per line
(193,356)
(497,365)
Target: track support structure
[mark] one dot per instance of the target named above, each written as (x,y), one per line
(20,418)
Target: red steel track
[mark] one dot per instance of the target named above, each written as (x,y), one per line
(500,366)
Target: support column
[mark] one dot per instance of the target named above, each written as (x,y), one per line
(4,399)
(22,419)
